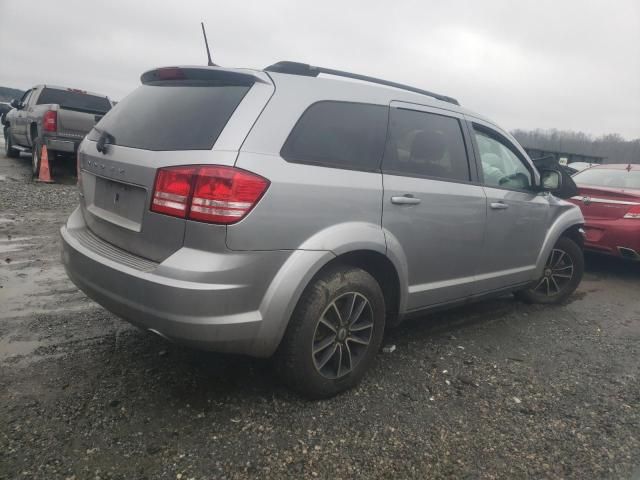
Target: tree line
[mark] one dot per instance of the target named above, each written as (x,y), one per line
(612,146)
(7,94)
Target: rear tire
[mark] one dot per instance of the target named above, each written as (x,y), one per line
(35,157)
(334,334)
(562,275)
(8,145)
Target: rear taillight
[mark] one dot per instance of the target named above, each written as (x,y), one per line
(207,193)
(225,194)
(172,191)
(50,121)
(633,212)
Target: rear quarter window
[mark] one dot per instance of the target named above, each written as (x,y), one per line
(339,135)
(172,116)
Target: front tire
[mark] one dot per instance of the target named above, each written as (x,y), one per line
(8,145)
(562,275)
(334,333)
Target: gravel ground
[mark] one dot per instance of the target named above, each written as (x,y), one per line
(495,390)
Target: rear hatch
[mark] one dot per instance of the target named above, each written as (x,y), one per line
(608,192)
(178,116)
(78,110)
(600,203)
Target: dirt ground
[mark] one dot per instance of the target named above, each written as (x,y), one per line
(498,389)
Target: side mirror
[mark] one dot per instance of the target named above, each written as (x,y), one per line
(550,180)
(15,103)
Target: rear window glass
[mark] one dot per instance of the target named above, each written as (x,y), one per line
(74,100)
(426,145)
(609,177)
(171,116)
(339,134)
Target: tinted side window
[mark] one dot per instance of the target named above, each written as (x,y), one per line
(339,134)
(426,144)
(501,167)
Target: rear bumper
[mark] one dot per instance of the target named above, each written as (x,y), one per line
(194,297)
(62,144)
(617,237)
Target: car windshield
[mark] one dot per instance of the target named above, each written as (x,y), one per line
(609,177)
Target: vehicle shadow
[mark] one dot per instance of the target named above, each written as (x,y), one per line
(197,378)
(611,266)
(155,368)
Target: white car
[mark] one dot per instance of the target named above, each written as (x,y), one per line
(579,166)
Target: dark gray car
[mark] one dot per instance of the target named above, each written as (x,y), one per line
(282,212)
(57,117)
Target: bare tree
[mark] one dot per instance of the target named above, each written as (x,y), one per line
(612,146)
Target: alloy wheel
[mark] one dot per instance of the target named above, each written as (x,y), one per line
(342,335)
(558,273)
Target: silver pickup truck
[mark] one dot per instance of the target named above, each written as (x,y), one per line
(57,117)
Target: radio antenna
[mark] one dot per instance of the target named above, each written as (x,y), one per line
(206,44)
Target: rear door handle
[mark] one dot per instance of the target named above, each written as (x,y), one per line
(499,206)
(407,199)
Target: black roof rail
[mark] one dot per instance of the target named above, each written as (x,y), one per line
(296,68)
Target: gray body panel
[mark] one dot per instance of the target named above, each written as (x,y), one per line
(233,288)
(440,236)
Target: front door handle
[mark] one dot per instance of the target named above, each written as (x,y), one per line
(499,206)
(407,199)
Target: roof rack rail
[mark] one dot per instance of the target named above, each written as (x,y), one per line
(296,68)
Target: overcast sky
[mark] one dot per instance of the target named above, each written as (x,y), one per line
(562,64)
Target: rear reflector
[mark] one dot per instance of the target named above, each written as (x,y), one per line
(207,193)
(633,212)
(50,121)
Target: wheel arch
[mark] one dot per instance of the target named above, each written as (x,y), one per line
(300,271)
(575,233)
(381,268)
(374,249)
(33,132)
(567,223)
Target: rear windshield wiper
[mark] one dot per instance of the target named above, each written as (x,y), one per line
(105,139)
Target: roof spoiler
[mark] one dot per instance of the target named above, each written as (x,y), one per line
(200,75)
(304,69)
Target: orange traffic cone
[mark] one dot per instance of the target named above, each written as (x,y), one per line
(45,174)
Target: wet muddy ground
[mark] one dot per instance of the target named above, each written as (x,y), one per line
(498,389)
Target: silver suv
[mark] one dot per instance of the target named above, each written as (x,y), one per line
(296,213)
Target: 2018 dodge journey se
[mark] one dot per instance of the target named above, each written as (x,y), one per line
(293,213)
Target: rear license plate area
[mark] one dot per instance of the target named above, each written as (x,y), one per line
(119,203)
